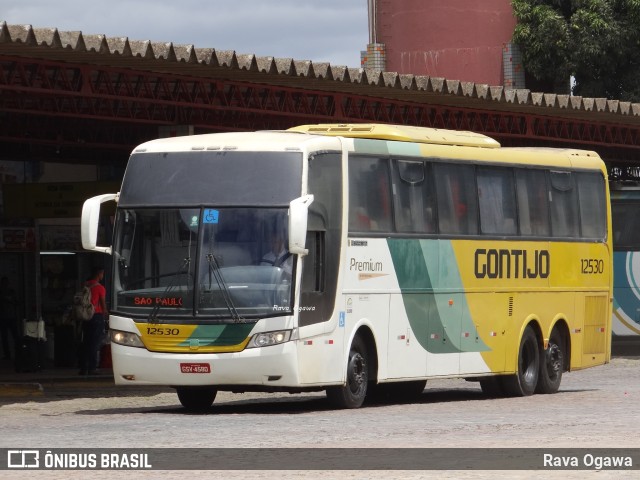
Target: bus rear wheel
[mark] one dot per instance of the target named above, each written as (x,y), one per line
(352,394)
(524,382)
(196,398)
(551,365)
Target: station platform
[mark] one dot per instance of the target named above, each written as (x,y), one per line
(16,383)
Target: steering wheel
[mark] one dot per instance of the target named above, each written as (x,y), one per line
(280,279)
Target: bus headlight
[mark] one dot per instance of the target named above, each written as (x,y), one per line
(266,339)
(127,339)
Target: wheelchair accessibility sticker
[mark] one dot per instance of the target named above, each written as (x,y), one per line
(210,216)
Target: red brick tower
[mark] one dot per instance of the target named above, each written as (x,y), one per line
(455,39)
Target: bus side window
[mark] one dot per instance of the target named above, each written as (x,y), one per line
(591,193)
(457,198)
(533,202)
(564,205)
(413,198)
(369,195)
(496,201)
(313,263)
(626,225)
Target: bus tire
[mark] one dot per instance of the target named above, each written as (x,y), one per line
(353,393)
(196,398)
(551,364)
(523,382)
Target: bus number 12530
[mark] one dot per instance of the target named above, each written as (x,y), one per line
(162,331)
(592,266)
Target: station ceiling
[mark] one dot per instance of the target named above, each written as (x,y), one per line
(94,98)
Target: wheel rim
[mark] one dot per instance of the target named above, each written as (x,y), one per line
(553,360)
(357,373)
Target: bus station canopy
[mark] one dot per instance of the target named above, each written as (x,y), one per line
(75,91)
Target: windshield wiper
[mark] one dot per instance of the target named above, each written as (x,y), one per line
(214,269)
(153,316)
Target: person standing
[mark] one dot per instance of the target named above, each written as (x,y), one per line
(8,316)
(93,330)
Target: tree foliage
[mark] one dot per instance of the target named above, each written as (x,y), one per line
(595,41)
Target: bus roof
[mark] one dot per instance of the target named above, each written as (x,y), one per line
(264,140)
(400,133)
(379,139)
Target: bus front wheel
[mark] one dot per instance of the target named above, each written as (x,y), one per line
(352,394)
(524,382)
(551,365)
(196,398)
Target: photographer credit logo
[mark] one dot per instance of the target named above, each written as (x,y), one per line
(82,459)
(23,459)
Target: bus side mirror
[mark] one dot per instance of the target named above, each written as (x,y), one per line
(90,219)
(298,215)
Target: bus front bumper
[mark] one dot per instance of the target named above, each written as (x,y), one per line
(273,367)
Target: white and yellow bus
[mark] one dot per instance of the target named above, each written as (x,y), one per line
(400,254)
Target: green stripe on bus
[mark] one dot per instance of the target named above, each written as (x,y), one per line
(220,335)
(450,278)
(417,264)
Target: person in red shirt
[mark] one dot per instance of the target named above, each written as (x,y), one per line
(93,330)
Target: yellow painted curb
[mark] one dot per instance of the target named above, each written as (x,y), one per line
(20,389)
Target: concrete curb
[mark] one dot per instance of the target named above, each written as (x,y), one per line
(21,389)
(36,386)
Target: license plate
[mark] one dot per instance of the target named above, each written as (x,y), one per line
(195,368)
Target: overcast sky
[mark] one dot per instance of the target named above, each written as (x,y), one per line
(333,31)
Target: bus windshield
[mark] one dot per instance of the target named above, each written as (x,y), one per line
(222,264)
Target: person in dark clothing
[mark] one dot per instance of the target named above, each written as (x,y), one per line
(93,330)
(278,256)
(8,316)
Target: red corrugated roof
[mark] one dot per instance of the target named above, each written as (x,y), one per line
(77,47)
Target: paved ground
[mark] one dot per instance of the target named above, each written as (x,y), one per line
(51,378)
(595,408)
